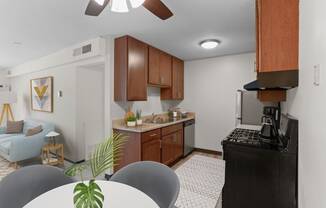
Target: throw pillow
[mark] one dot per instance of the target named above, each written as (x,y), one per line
(33,131)
(15,127)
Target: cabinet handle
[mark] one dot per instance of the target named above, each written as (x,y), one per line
(153,135)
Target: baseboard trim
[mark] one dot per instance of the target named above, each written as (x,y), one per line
(68,160)
(208,151)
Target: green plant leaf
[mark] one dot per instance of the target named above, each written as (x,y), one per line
(77,169)
(90,196)
(106,154)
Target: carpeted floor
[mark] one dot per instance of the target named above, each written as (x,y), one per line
(201,180)
(5,168)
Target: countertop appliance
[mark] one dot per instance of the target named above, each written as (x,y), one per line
(189,137)
(262,173)
(270,125)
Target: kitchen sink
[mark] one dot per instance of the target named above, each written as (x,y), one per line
(157,121)
(161,120)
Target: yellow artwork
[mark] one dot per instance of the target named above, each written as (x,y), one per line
(42,94)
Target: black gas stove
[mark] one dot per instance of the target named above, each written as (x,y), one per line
(252,138)
(261,172)
(244,136)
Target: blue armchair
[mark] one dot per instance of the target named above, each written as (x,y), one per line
(17,147)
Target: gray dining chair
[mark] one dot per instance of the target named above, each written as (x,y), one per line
(22,186)
(158,181)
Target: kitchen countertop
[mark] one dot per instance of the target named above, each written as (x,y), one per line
(119,124)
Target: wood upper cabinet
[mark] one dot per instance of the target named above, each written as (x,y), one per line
(130,69)
(272,96)
(176,91)
(277,24)
(160,68)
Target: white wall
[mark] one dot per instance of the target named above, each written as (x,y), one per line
(308,104)
(63,117)
(68,77)
(4,81)
(154,104)
(210,91)
(90,108)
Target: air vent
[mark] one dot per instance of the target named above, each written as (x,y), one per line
(83,50)
(87,48)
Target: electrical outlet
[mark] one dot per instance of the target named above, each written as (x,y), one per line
(317,75)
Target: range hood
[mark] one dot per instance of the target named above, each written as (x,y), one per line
(281,80)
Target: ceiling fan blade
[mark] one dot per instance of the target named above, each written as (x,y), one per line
(94,9)
(158,8)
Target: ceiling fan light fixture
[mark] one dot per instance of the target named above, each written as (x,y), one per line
(100,2)
(136,3)
(119,6)
(209,44)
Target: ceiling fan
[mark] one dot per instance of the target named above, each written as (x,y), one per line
(157,7)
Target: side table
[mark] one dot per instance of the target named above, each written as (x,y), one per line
(50,160)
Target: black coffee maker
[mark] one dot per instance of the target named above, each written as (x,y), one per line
(270,124)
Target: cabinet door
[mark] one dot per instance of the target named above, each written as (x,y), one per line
(178,66)
(272,95)
(168,149)
(151,151)
(172,147)
(165,69)
(154,66)
(277,35)
(178,144)
(176,92)
(137,70)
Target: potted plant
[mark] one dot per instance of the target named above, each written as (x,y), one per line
(131,121)
(89,194)
(138,116)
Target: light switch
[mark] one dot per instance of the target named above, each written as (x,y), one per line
(317,75)
(60,94)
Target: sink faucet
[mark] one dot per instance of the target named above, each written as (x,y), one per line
(153,117)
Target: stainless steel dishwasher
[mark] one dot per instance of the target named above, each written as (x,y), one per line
(189,137)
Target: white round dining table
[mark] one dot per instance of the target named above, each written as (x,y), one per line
(116,195)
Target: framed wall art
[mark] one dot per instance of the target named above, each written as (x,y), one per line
(42,94)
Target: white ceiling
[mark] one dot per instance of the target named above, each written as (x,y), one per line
(45,26)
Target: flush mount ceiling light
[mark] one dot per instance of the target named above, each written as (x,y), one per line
(209,44)
(157,7)
(100,2)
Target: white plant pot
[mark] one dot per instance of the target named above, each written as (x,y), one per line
(131,123)
(139,122)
